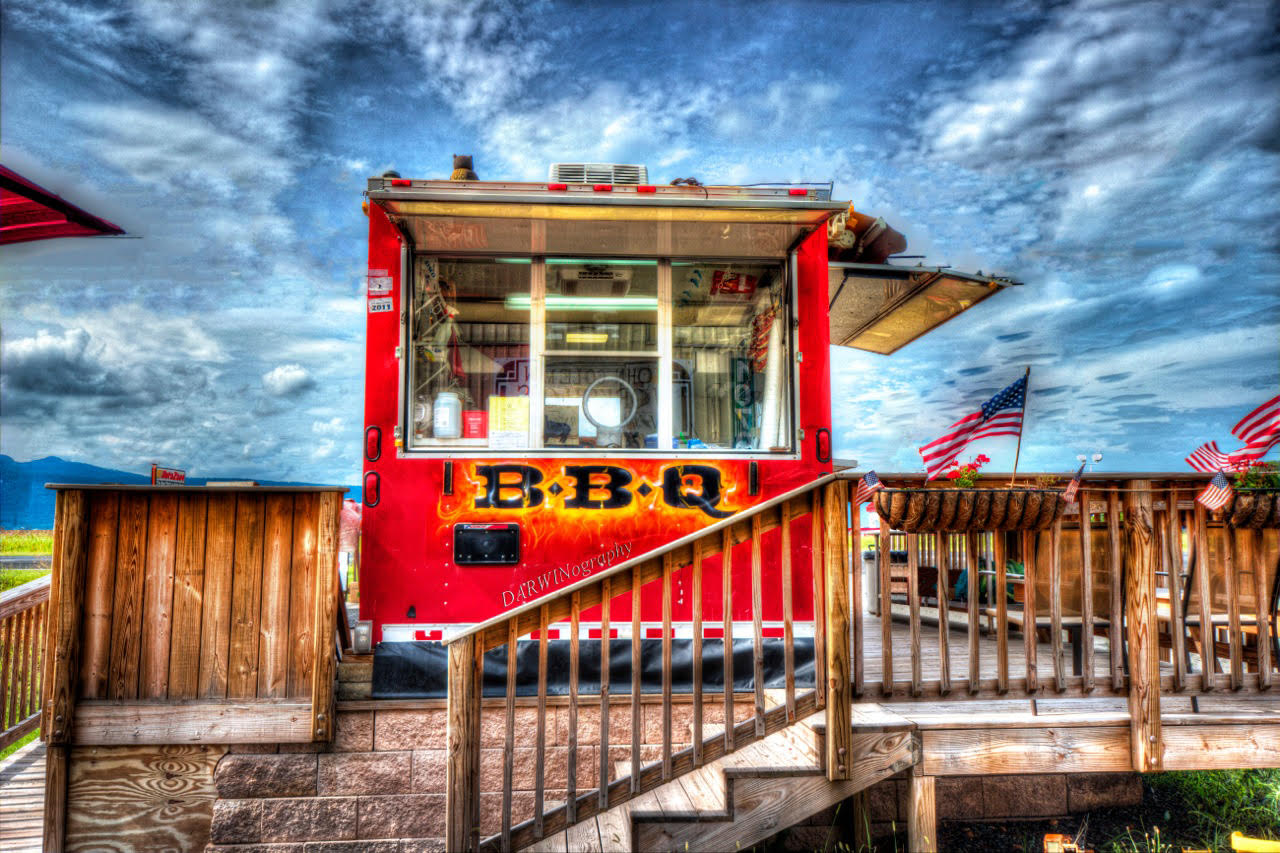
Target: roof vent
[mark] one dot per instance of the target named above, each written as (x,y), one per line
(598,173)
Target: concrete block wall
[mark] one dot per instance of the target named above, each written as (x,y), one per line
(379,786)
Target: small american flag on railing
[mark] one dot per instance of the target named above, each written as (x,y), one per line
(1217,493)
(867,486)
(1074,486)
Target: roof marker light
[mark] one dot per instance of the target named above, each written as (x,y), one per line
(797,191)
(646,188)
(557,186)
(603,188)
(401,182)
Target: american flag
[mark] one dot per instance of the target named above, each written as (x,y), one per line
(1207,458)
(1251,453)
(1001,415)
(1261,425)
(1217,493)
(1074,486)
(867,486)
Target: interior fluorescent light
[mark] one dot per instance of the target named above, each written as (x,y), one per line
(520,302)
(587,338)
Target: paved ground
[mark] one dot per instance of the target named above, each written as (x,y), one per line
(22,799)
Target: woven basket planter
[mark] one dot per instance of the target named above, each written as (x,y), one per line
(955,510)
(1253,510)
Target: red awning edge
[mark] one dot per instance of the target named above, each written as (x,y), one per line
(30,212)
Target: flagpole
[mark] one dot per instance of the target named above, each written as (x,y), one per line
(1026,389)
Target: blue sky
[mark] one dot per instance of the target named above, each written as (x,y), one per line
(1121,159)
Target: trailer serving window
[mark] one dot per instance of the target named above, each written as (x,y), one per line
(613,355)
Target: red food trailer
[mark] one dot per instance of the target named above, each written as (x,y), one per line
(562,376)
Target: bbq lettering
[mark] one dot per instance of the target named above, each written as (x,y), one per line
(597,487)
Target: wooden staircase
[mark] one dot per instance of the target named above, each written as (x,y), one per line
(746,796)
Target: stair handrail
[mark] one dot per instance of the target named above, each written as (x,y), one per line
(688,539)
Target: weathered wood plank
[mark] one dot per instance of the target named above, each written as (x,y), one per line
(1262,615)
(757,621)
(70,559)
(1086,589)
(510,731)
(1029,609)
(922,814)
(246,597)
(226,721)
(188,596)
(788,618)
(606,657)
(1231,580)
(1173,546)
(839,687)
(726,592)
(913,608)
(215,622)
(1221,747)
(817,561)
(303,587)
(946,558)
(55,792)
(140,798)
(95,670)
(1141,626)
(127,608)
(328,609)
(666,667)
(1002,612)
(976,752)
(462,784)
(157,596)
(571,796)
(1208,659)
(1055,605)
(540,766)
(886,608)
(975,587)
(1116,638)
(277,554)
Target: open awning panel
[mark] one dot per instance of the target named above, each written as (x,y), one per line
(881,308)
(621,230)
(30,212)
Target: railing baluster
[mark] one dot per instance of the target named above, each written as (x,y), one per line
(726,572)
(697,654)
(636,639)
(540,756)
(944,561)
(819,595)
(913,607)
(757,622)
(1230,561)
(666,665)
(1086,591)
(571,797)
(1261,602)
(1055,605)
(855,598)
(1173,544)
(1115,632)
(883,556)
(1029,638)
(1002,613)
(1208,647)
(606,589)
(788,631)
(507,766)
(6,654)
(975,587)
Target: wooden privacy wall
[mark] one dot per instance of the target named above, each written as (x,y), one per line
(190,615)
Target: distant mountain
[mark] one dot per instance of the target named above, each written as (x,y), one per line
(25,504)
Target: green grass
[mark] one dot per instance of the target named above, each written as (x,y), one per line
(10,578)
(18,744)
(26,542)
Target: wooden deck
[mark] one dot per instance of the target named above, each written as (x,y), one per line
(22,800)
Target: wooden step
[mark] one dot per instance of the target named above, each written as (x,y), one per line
(759,801)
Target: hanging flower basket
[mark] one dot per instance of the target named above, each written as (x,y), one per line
(956,510)
(1253,509)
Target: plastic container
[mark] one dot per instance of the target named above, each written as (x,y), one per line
(447,416)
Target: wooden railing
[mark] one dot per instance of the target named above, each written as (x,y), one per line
(815,515)
(1151,593)
(23,612)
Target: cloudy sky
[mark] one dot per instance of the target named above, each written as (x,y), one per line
(1121,159)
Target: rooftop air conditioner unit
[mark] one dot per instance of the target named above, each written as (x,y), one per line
(598,173)
(594,281)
